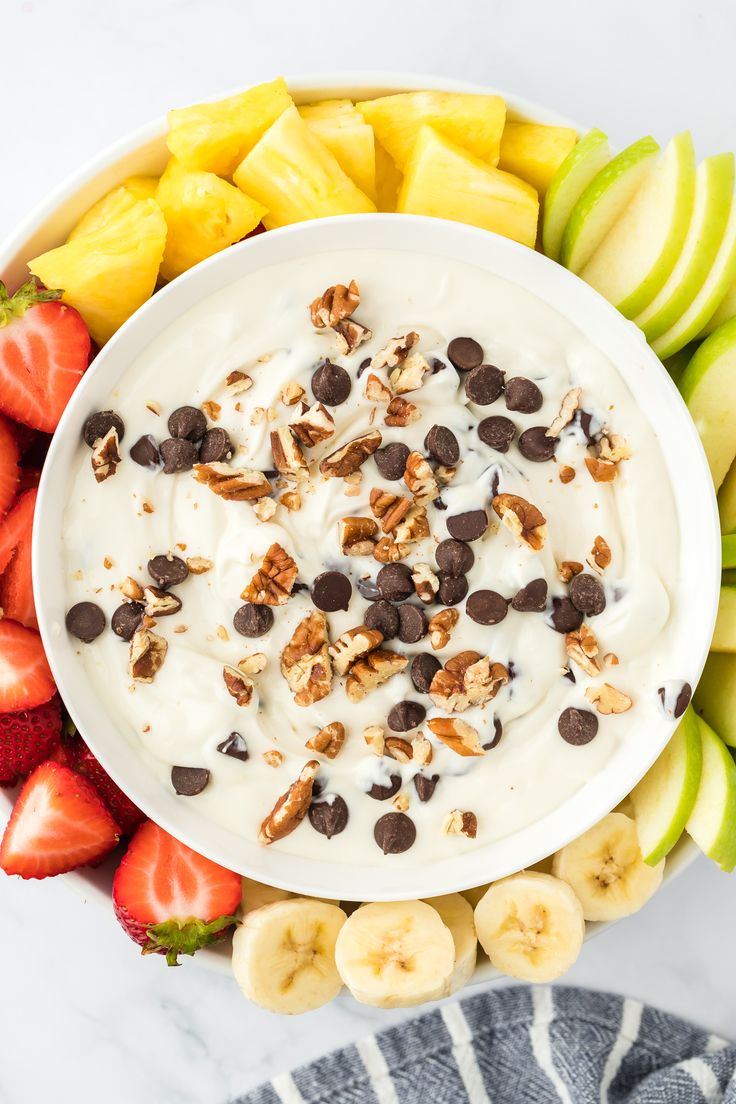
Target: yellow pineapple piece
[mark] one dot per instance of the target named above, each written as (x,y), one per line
(292,173)
(346,134)
(472,121)
(215,137)
(108,272)
(111,206)
(445,181)
(388,180)
(142,187)
(535,152)
(204,215)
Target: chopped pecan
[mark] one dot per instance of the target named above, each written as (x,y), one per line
(389,507)
(414,527)
(329,740)
(614,448)
(398,748)
(239,685)
(568,569)
(314,425)
(600,554)
(458,823)
(147,653)
(440,627)
(291,393)
(253,664)
(400,412)
(396,351)
(212,409)
(610,659)
(421,750)
(353,644)
(607,699)
(273,758)
(372,671)
(350,335)
(420,479)
(131,589)
(400,802)
(567,474)
(525,521)
(388,551)
(273,581)
(233,484)
(305,661)
(445,474)
(426,583)
(376,390)
(582,647)
(467,679)
(288,457)
(334,304)
(601,471)
(460,736)
(264,508)
(237,382)
(292,500)
(291,808)
(357,536)
(570,403)
(409,375)
(106,455)
(351,484)
(348,459)
(375,738)
(198,565)
(160,603)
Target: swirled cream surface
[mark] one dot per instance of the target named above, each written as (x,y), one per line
(261,326)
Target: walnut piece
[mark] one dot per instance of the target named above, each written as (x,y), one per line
(334,304)
(390,508)
(291,808)
(239,685)
(582,648)
(459,736)
(329,740)
(273,581)
(525,521)
(350,458)
(458,823)
(420,479)
(426,583)
(400,412)
(353,644)
(314,425)
(376,390)
(570,403)
(106,455)
(147,653)
(372,671)
(395,352)
(357,536)
(409,376)
(467,679)
(233,484)
(288,458)
(600,554)
(608,700)
(440,627)
(568,569)
(305,661)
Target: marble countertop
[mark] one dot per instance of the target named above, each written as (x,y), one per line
(84,1016)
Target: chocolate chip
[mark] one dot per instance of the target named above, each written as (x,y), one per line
(383,793)
(497,432)
(468,526)
(532,598)
(126,619)
(86,621)
(675,697)
(383,616)
(486,607)
(364,366)
(145,452)
(422,670)
(330,383)
(523,395)
(99,425)
(452,589)
(569,675)
(484,384)
(534,444)
(329,815)
(437,365)
(441,444)
(495,484)
(584,419)
(216,446)
(577,726)
(252,620)
(395,582)
(425,785)
(412,624)
(406,715)
(167,570)
(188,781)
(235,746)
(497,734)
(331,591)
(394,833)
(368,589)
(391,460)
(187,422)
(464,353)
(439,503)
(564,617)
(298,586)
(454,557)
(586,594)
(177,455)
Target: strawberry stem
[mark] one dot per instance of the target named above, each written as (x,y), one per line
(28,295)
(175,937)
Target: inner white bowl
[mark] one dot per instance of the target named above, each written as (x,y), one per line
(694,611)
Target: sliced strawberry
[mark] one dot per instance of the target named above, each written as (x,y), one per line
(44,351)
(16,586)
(57,824)
(127,815)
(29,479)
(27,738)
(169,899)
(25,677)
(9,470)
(17,527)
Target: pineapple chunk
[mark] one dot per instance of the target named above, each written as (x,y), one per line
(108,272)
(388,180)
(535,152)
(473,122)
(142,187)
(443,180)
(204,215)
(346,134)
(215,137)
(115,203)
(296,177)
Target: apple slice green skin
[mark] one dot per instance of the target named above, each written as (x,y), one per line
(712,823)
(728,554)
(677,364)
(727,502)
(634,260)
(715,695)
(726,309)
(708,386)
(603,201)
(724,634)
(665,797)
(582,164)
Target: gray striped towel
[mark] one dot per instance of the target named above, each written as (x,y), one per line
(522,1046)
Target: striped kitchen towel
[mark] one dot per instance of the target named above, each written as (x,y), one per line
(522,1046)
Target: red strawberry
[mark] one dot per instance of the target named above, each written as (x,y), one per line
(169,899)
(44,351)
(25,677)
(17,527)
(27,738)
(57,824)
(29,479)
(9,470)
(16,587)
(128,815)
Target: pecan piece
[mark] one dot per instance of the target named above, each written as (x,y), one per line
(420,479)
(601,471)
(396,747)
(582,648)
(608,700)
(614,448)
(372,671)
(390,508)
(441,625)
(388,551)
(237,382)
(396,351)
(291,808)
(147,653)
(426,583)
(353,644)
(459,823)
(350,458)
(264,508)
(600,554)
(160,603)
(375,739)
(414,527)
(525,521)
(570,403)
(315,424)
(239,684)
(273,581)
(305,661)
(376,390)
(357,536)
(288,457)
(401,412)
(421,750)
(131,589)
(467,679)
(106,455)
(334,304)
(233,484)
(567,474)
(350,335)
(329,740)
(198,565)
(409,375)
(568,569)
(291,393)
(460,736)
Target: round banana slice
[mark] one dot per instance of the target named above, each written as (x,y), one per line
(531,926)
(396,954)
(605,869)
(457,914)
(256,894)
(284,954)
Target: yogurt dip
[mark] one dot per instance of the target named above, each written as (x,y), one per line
(561,676)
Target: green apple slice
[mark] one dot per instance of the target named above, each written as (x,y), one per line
(727,501)
(665,797)
(708,386)
(728,551)
(715,695)
(724,634)
(725,310)
(677,364)
(712,823)
(635,258)
(581,165)
(604,201)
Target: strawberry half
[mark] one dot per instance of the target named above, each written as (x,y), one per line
(127,815)
(27,738)
(25,676)
(9,470)
(169,899)
(57,824)
(44,351)
(16,586)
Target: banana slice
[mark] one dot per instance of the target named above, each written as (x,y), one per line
(474,894)
(396,954)
(457,914)
(256,894)
(531,926)
(284,955)
(605,869)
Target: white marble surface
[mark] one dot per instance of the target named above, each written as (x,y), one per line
(83,1017)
